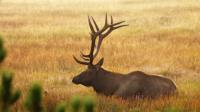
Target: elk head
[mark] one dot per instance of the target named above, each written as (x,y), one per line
(87,77)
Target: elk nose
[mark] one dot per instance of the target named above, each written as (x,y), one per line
(74,80)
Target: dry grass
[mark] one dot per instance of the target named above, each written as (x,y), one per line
(163,38)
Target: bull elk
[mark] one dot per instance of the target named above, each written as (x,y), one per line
(133,84)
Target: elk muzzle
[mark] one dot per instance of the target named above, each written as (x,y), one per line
(75,80)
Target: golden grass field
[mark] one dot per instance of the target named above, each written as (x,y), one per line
(163,38)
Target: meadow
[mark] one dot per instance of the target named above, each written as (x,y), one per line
(163,38)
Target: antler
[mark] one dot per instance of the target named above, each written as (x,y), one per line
(101,33)
(107,29)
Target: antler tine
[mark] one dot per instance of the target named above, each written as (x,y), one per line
(111,19)
(96,26)
(80,62)
(111,26)
(84,55)
(120,26)
(91,27)
(111,29)
(117,23)
(86,59)
(106,21)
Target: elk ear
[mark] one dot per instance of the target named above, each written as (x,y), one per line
(100,63)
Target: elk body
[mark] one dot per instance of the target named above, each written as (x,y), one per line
(133,84)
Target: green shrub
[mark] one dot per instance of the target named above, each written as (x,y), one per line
(2,51)
(76,104)
(61,107)
(88,105)
(7,96)
(173,109)
(33,101)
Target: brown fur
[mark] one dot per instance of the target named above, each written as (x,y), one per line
(133,84)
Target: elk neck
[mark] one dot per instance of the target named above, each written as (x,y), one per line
(106,82)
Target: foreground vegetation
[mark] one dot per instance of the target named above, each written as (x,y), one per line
(33,102)
(162,38)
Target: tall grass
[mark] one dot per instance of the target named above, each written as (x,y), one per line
(162,39)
